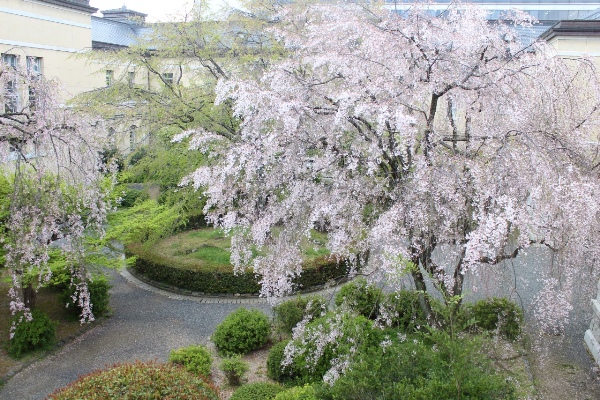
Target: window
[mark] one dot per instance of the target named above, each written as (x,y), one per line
(11,97)
(34,68)
(110,77)
(34,65)
(132,137)
(10,59)
(131,78)
(168,78)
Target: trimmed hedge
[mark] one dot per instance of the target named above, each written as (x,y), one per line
(139,380)
(161,269)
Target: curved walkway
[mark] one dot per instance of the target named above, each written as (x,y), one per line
(147,323)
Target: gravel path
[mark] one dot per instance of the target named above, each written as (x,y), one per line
(147,323)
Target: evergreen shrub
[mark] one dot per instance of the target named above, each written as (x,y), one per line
(242,331)
(139,380)
(360,296)
(306,392)
(37,334)
(498,314)
(275,370)
(99,296)
(420,368)
(350,333)
(235,369)
(256,391)
(195,359)
(402,310)
(287,314)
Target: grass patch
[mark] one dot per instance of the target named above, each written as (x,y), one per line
(208,250)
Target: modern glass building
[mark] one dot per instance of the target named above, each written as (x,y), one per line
(544,10)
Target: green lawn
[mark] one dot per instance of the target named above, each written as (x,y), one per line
(209,248)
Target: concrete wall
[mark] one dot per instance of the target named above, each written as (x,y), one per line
(592,335)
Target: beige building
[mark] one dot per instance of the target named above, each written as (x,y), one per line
(576,37)
(45,36)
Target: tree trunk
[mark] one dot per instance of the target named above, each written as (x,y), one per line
(421,287)
(29,295)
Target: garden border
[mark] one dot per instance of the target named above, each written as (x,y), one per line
(315,277)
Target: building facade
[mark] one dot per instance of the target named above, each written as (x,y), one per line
(46,36)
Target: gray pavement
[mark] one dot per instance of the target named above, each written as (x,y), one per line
(147,323)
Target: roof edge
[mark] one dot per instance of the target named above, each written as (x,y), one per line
(73,6)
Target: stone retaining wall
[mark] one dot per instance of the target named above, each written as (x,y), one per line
(592,335)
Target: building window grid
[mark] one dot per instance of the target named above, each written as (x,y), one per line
(110,77)
(168,78)
(11,98)
(131,78)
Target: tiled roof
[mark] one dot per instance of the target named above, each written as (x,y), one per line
(113,32)
(531,34)
(595,15)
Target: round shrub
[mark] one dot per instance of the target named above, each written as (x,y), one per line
(242,331)
(99,296)
(37,334)
(195,359)
(256,391)
(235,369)
(139,380)
(497,314)
(361,297)
(402,310)
(275,370)
(306,392)
(327,340)
(288,313)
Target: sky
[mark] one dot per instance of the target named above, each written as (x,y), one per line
(157,10)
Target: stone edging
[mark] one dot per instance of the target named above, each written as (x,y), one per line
(169,290)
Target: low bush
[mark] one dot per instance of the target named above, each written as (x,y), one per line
(149,380)
(257,391)
(37,334)
(242,331)
(360,296)
(275,370)
(499,315)
(402,310)
(195,359)
(287,314)
(130,197)
(418,368)
(306,392)
(98,288)
(325,342)
(234,369)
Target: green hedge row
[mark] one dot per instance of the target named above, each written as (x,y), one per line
(316,272)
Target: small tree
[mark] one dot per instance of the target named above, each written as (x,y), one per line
(406,135)
(57,184)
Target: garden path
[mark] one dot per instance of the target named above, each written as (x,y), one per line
(147,323)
